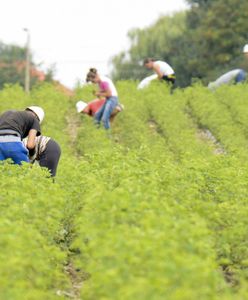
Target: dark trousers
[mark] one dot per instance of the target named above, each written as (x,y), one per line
(170,78)
(50,157)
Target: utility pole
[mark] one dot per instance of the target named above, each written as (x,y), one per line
(27,64)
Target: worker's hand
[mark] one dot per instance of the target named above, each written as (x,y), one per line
(32,155)
(32,159)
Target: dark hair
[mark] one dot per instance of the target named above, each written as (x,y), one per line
(147,60)
(91,74)
(93,70)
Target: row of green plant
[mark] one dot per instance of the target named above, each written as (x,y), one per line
(35,212)
(221,180)
(146,211)
(157,220)
(212,111)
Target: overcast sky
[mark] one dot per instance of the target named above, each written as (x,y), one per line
(78,34)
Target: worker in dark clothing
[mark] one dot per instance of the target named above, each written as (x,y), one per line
(245,50)
(47,153)
(16,125)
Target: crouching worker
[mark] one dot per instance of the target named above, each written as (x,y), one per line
(95,105)
(163,70)
(47,153)
(233,76)
(16,125)
(107,90)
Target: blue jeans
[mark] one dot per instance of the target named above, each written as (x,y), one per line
(241,76)
(104,113)
(14,150)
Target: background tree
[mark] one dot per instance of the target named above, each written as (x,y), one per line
(203,42)
(153,41)
(216,33)
(12,66)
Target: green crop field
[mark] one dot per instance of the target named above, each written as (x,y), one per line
(156,210)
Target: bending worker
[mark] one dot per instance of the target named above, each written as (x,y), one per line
(107,90)
(233,76)
(161,68)
(47,153)
(16,125)
(245,50)
(93,106)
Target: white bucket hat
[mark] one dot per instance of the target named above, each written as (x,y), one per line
(38,111)
(80,106)
(245,49)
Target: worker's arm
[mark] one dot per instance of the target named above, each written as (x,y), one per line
(31,139)
(157,70)
(106,93)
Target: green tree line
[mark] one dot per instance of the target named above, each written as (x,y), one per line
(201,43)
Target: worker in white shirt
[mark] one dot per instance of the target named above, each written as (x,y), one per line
(163,70)
(245,50)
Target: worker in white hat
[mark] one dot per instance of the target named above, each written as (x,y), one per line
(93,106)
(245,50)
(233,76)
(89,108)
(16,125)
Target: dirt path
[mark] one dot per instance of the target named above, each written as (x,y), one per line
(207,136)
(76,279)
(204,134)
(75,275)
(153,126)
(73,123)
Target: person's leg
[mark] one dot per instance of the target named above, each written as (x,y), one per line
(99,113)
(113,115)
(50,157)
(16,151)
(171,81)
(2,156)
(116,110)
(170,78)
(109,107)
(241,76)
